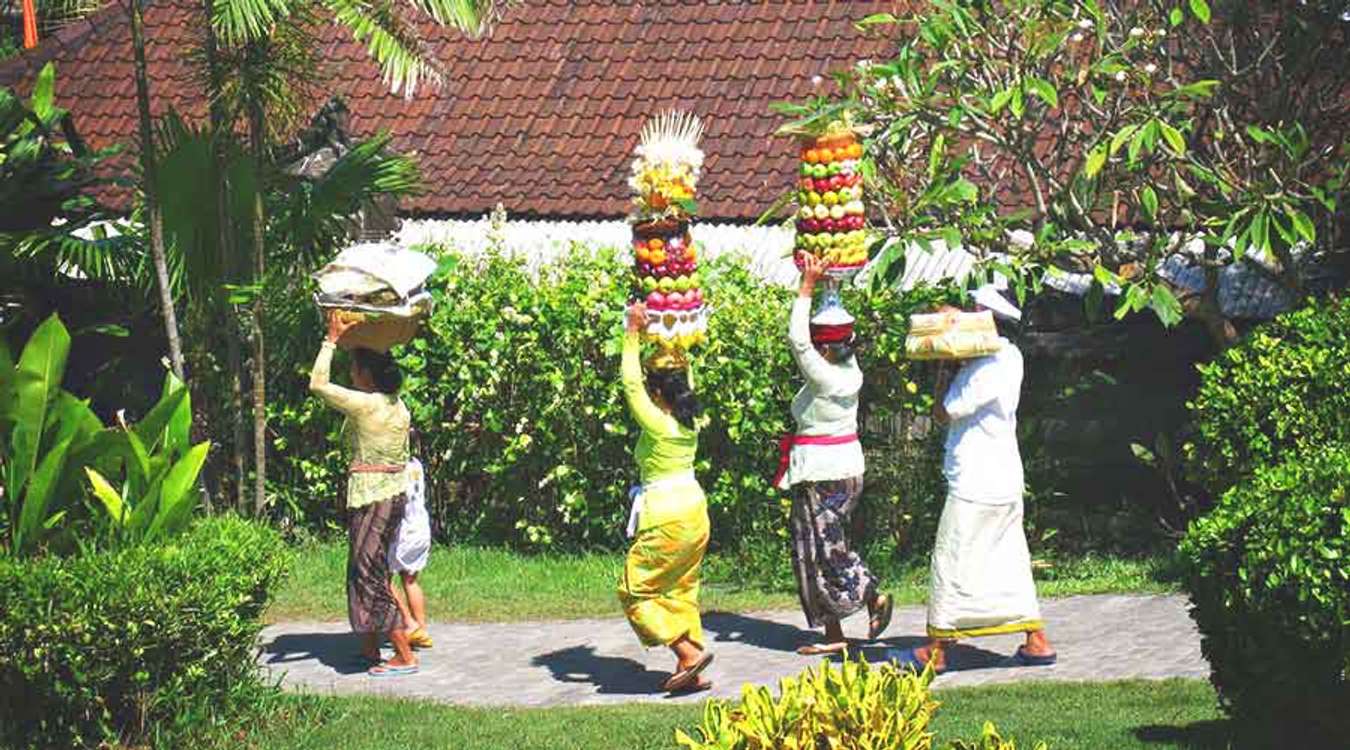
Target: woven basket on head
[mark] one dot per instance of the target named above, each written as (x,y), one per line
(378,332)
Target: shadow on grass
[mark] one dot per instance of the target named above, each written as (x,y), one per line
(341,652)
(611,675)
(1215,734)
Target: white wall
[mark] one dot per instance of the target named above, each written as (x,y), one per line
(766,248)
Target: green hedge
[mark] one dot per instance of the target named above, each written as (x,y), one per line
(527,439)
(1281,389)
(130,644)
(1269,575)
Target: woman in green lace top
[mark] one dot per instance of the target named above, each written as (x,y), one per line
(376,429)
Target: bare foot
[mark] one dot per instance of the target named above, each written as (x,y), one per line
(933,656)
(828,647)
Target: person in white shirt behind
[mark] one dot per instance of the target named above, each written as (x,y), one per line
(980,580)
(823,463)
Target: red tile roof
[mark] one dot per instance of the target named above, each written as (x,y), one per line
(541,115)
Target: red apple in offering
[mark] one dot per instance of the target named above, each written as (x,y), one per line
(657,301)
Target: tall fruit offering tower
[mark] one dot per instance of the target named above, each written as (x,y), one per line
(665,172)
(831,217)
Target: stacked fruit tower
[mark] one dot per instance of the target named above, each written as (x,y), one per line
(665,173)
(831,218)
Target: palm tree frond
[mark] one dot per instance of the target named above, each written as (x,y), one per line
(473,17)
(242,21)
(395,47)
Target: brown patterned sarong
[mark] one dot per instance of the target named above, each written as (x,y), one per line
(832,580)
(370,530)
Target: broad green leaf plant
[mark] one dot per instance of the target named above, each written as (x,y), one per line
(54,444)
(1087,136)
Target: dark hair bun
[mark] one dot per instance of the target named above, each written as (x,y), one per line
(381,367)
(673,387)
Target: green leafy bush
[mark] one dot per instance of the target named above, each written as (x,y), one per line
(515,392)
(1269,576)
(112,646)
(853,705)
(1281,389)
(57,449)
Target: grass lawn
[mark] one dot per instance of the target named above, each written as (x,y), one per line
(478,584)
(1093,716)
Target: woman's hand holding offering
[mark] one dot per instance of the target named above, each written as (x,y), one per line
(812,269)
(636,319)
(338,325)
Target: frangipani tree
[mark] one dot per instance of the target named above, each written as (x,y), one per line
(1110,135)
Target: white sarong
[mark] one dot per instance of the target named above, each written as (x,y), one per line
(412,545)
(981,583)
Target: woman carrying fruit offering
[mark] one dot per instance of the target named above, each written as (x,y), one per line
(659,584)
(823,461)
(377,428)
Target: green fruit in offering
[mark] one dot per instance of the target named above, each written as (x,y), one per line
(649,284)
(666,285)
(832,169)
(695,280)
(830,198)
(819,170)
(682,284)
(813,198)
(807,170)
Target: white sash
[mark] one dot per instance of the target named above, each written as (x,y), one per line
(637,493)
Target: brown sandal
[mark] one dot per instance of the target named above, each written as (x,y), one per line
(682,680)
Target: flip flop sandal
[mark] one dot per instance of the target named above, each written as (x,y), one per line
(420,639)
(819,649)
(881,620)
(384,670)
(1024,659)
(909,659)
(699,686)
(681,680)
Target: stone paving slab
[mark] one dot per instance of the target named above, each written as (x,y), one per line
(586,662)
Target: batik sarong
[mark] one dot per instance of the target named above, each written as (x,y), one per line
(370,530)
(832,580)
(981,580)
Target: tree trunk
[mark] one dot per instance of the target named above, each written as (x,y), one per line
(228,264)
(151,178)
(257,138)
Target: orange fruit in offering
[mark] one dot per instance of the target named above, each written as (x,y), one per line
(643,254)
(826,155)
(856,150)
(811,156)
(657,257)
(691,255)
(655,243)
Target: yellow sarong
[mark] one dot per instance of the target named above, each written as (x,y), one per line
(659,584)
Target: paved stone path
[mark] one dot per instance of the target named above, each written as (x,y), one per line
(600,661)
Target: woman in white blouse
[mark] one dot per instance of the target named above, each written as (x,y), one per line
(823,462)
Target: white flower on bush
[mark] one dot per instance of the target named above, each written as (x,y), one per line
(1150,68)
(1077,38)
(1137,33)
(1121,76)
(1085,24)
